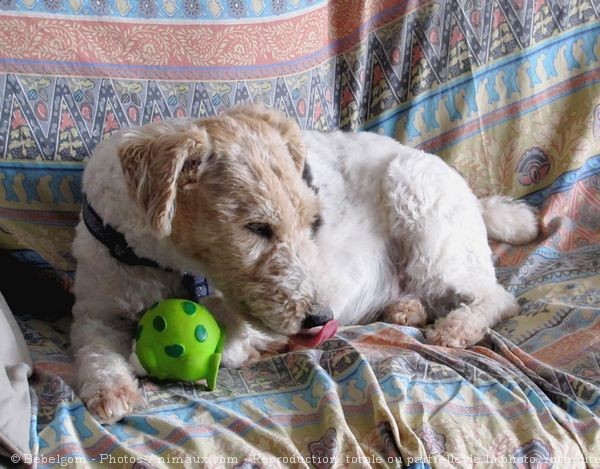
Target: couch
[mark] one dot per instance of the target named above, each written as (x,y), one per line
(506,91)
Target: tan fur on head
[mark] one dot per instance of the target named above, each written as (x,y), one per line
(288,128)
(253,176)
(206,183)
(152,159)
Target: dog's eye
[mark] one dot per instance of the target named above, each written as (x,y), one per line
(316,224)
(263,230)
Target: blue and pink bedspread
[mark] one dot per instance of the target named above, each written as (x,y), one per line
(507,91)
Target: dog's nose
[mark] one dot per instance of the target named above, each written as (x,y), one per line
(318,317)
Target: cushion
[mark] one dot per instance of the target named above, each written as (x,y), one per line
(15,404)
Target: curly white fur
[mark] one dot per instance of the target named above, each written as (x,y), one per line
(400,229)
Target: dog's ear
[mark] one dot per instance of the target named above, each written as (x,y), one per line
(287,127)
(152,159)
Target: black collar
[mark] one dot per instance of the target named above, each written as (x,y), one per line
(120,250)
(112,239)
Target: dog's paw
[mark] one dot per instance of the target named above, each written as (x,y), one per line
(238,354)
(407,311)
(275,346)
(111,404)
(253,356)
(455,332)
(244,354)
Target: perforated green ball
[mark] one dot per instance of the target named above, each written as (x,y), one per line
(179,340)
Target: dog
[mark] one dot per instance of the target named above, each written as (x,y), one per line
(293,229)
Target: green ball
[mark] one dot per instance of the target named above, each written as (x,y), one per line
(179,340)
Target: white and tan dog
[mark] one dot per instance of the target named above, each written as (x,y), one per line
(293,228)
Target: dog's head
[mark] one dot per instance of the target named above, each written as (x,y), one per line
(229,193)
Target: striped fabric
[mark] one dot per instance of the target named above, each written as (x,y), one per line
(507,91)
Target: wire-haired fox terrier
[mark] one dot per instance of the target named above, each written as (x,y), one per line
(293,228)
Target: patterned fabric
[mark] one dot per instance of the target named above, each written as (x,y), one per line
(507,91)
(435,75)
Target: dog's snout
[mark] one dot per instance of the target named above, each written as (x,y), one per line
(318,317)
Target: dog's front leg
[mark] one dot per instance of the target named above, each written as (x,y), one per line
(106,382)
